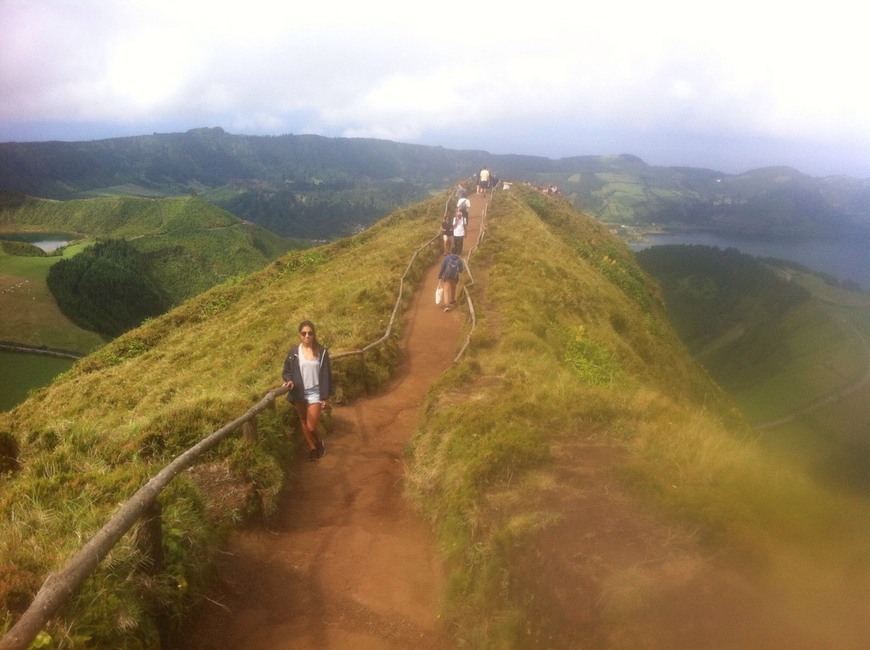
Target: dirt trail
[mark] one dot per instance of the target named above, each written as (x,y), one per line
(348,564)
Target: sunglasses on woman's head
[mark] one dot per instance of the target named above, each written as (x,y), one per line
(307,333)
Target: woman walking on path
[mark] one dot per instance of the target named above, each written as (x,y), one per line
(347,562)
(458,232)
(447,233)
(308,373)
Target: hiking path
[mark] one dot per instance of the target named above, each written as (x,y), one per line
(347,563)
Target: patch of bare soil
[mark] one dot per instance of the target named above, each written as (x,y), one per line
(348,564)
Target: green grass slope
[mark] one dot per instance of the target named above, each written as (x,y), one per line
(791,348)
(574,455)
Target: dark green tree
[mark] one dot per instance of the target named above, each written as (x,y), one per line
(107,288)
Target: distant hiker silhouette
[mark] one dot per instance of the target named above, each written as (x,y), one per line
(483,181)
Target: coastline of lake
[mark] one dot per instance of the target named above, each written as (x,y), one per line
(844,259)
(47,241)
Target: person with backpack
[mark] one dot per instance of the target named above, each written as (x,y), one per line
(447,233)
(448,277)
(308,373)
(463,204)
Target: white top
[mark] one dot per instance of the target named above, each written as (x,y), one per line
(310,371)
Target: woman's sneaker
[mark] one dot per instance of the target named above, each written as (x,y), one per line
(318,451)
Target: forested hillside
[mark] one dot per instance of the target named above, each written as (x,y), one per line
(307,186)
(589,484)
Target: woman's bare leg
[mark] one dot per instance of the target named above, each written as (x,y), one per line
(307,422)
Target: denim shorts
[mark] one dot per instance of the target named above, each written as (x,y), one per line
(312,395)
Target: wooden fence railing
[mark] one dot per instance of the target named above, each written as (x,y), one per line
(59,586)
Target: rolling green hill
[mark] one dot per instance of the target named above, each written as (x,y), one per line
(184,245)
(573,360)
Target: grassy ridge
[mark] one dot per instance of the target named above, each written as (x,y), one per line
(572,358)
(92,437)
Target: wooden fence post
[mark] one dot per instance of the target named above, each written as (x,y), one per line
(249,431)
(149,539)
(149,542)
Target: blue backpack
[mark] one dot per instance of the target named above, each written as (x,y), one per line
(454,267)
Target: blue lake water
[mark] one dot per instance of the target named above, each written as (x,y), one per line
(47,241)
(845,259)
(51,245)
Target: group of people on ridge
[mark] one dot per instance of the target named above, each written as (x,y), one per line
(307,371)
(453,224)
(453,236)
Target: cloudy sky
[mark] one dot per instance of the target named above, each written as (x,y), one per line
(730,86)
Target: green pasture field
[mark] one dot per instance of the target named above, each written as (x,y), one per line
(828,344)
(28,312)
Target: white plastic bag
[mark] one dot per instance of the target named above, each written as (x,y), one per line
(439,295)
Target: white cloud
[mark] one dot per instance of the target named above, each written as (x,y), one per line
(749,69)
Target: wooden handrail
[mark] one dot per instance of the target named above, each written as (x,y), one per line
(59,586)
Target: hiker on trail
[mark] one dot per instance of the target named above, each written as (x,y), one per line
(464,205)
(483,181)
(448,276)
(308,373)
(447,233)
(459,222)
(461,193)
